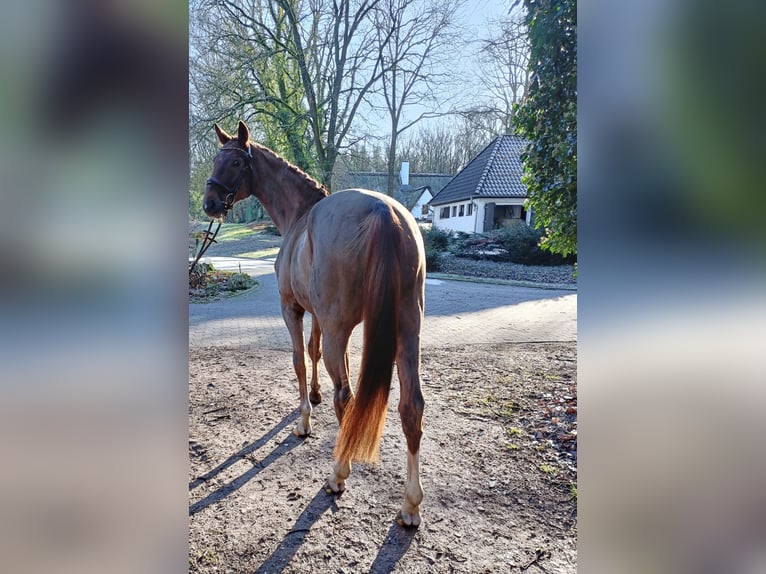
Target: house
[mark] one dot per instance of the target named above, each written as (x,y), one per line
(416,200)
(413,198)
(487,193)
(414,191)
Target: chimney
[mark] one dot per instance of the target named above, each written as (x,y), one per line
(404,175)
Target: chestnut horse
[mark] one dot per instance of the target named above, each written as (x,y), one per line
(349,257)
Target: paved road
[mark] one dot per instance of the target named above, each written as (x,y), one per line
(457,312)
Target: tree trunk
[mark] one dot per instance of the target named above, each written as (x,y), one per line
(392,165)
(326,164)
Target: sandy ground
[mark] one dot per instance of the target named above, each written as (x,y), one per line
(498,468)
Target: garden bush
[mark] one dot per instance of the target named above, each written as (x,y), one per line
(435,238)
(433,259)
(207,283)
(522,244)
(516,243)
(239,281)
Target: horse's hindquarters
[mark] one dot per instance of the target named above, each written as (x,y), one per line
(367,263)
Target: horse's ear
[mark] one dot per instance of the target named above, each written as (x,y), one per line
(223,137)
(243,134)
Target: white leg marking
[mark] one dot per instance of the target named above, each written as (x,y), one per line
(337,481)
(303,426)
(409,515)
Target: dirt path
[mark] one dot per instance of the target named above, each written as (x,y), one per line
(497,469)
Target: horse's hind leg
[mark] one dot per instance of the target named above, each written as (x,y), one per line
(293,316)
(335,350)
(315,353)
(411,412)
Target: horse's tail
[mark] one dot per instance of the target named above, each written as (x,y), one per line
(365,414)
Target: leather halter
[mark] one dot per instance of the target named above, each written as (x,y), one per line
(231,190)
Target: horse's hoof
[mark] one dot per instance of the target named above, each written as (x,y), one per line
(302,431)
(315,397)
(331,487)
(407,519)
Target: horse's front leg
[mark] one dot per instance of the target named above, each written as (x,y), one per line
(293,316)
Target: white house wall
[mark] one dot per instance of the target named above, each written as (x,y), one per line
(473,223)
(417,209)
(465,223)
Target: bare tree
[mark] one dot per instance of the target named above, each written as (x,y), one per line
(301,72)
(240,69)
(504,68)
(334,44)
(415,37)
(446,147)
(302,68)
(430,149)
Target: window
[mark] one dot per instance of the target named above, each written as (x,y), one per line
(444,213)
(462,210)
(454,211)
(470,208)
(424,210)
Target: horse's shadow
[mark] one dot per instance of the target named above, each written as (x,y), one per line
(321,503)
(281,449)
(394,547)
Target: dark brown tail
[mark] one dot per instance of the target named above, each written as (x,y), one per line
(365,415)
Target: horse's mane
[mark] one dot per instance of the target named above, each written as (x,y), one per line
(312,184)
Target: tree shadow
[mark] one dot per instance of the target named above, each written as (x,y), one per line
(281,449)
(396,544)
(280,558)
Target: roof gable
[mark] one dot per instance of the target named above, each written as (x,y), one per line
(495,172)
(409,197)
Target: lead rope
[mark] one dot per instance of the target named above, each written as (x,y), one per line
(209,238)
(207,241)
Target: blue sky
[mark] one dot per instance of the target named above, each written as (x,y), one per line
(477,12)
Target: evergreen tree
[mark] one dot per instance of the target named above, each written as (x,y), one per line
(548,119)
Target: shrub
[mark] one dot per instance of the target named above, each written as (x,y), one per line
(515,243)
(198,275)
(435,238)
(462,236)
(433,259)
(522,244)
(478,246)
(239,281)
(206,282)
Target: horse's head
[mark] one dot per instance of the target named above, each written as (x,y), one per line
(230,181)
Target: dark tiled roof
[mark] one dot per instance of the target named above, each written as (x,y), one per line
(409,197)
(495,172)
(378,180)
